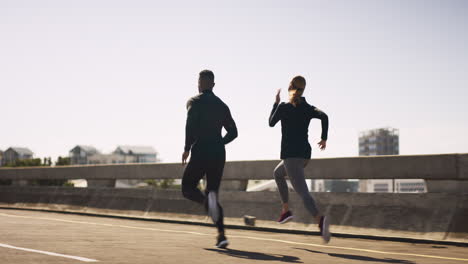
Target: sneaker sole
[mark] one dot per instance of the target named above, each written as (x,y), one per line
(289,218)
(213,207)
(223,244)
(326,230)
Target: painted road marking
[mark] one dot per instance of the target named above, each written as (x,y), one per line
(48,253)
(244,237)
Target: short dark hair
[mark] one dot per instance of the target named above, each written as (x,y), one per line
(207,75)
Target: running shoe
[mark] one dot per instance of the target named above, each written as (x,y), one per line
(285,217)
(222,242)
(324,227)
(213,209)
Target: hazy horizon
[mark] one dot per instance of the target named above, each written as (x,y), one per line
(109,73)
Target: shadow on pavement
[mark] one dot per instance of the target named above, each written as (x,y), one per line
(255,255)
(361,258)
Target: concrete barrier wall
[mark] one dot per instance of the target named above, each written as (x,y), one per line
(436,216)
(435,167)
(441,215)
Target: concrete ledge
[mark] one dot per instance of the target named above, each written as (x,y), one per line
(416,216)
(429,167)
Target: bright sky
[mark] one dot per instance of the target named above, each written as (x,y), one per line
(108,73)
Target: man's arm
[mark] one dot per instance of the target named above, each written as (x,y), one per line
(230,127)
(190,126)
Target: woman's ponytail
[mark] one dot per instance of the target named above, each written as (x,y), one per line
(296,89)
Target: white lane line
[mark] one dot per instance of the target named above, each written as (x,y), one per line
(244,237)
(49,253)
(350,248)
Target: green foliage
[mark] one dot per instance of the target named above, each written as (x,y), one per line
(26,163)
(46,162)
(63,161)
(49,182)
(68,184)
(161,184)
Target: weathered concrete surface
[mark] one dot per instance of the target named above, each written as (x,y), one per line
(101,183)
(447,186)
(437,216)
(120,241)
(437,167)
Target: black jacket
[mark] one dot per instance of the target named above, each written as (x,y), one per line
(295,127)
(206,116)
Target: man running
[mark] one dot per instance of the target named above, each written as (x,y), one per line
(206,116)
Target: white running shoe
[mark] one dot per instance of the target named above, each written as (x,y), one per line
(324,226)
(213,209)
(222,242)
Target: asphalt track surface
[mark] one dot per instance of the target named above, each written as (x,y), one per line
(43,237)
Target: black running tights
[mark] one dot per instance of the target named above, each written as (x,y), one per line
(194,172)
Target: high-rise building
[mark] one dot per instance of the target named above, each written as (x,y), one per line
(385,141)
(381,141)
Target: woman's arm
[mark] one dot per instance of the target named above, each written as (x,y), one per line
(317,113)
(275,114)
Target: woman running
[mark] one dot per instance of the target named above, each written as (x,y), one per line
(295,117)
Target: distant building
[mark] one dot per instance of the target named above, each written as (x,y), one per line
(109,159)
(1,158)
(334,186)
(410,186)
(385,141)
(399,186)
(122,154)
(340,186)
(382,141)
(81,154)
(137,154)
(13,154)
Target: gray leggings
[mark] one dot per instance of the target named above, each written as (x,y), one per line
(294,168)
